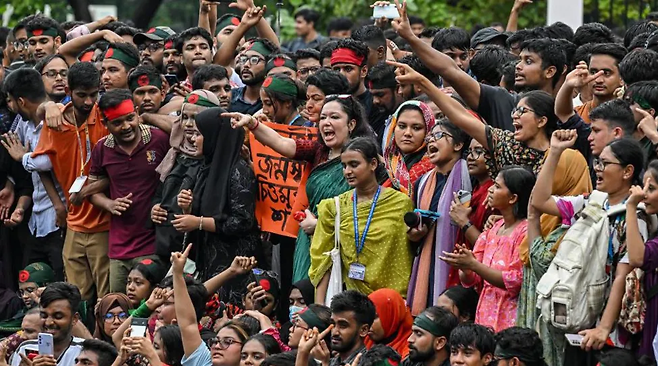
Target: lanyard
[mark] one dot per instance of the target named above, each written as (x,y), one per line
(294,119)
(83,162)
(360,243)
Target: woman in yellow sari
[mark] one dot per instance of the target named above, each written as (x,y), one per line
(376,255)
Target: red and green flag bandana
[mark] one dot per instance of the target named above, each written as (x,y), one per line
(52,32)
(280,61)
(278,85)
(199,100)
(259,47)
(233,20)
(118,54)
(144,80)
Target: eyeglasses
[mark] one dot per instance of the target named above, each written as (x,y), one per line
(223,343)
(601,165)
(25,291)
(436,136)
(260,272)
(153,47)
(309,70)
(254,60)
(295,324)
(19,45)
(475,153)
(109,317)
(521,111)
(52,74)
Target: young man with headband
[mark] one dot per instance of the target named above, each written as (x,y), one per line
(118,60)
(145,83)
(430,334)
(44,36)
(128,158)
(253,60)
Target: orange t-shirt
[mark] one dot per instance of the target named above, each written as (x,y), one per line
(583,110)
(63,149)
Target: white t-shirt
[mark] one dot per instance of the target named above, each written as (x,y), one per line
(67,358)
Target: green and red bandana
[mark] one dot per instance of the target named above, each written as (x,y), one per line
(280,61)
(124,58)
(169,45)
(233,20)
(52,32)
(199,100)
(387,362)
(259,47)
(278,85)
(144,80)
(39,273)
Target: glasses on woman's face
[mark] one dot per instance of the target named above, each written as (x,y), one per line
(520,111)
(223,343)
(601,165)
(109,317)
(295,324)
(476,153)
(436,136)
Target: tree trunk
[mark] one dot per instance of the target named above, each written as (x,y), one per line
(81,10)
(144,12)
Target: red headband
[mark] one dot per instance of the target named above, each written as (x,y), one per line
(346,56)
(124,108)
(87,56)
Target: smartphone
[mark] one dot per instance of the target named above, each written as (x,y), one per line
(138,327)
(574,339)
(171,79)
(45,341)
(256,278)
(390,12)
(464,198)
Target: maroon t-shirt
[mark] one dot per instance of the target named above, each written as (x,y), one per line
(130,235)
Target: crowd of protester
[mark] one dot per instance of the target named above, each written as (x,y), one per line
(470,199)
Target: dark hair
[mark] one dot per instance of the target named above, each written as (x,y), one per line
(358,47)
(364,145)
(449,38)
(234,326)
(355,111)
(295,101)
(284,359)
(339,24)
(371,35)
(417,64)
(620,357)
(206,73)
(247,323)
(61,291)
(105,352)
(473,335)
(615,113)
(641,27)
(309,15)
(569,50)
(518,179)
(509,74)
(382,73)
(83,75)
(172,344)
(267,341)
(429,32)
(148,70)
(651,43)
(526,35)
(653,169)
(647,90)
(324,314)
(43,22)
(46,60)
(652,16)
(190,33)
(614,50)
(638,42)
(593,33)
(25,83)
(629,152)
(639,65)
(126,30)
(69,25)
(327,49)
(329,82)
(486,65)
(443,318)
(458,135)
(522,341)
(152,273)
(379,353)
(559,30)
(307,53)
(351,300)
(465,299)
(543,105)
(582,53)
(22,23)
(112,99)
(126,48)
(197,291)
(551,54)
(416,20)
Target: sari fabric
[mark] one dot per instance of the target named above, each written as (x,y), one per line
(402,174)
(387,253)
(441,237)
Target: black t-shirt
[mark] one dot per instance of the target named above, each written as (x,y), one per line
(408,362)
(496,105)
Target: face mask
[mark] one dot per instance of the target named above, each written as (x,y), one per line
(295,309)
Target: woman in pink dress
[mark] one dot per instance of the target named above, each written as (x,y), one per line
(494,267)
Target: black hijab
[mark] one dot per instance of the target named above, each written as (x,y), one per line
(307,289)
(222,145)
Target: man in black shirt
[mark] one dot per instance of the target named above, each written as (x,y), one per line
(428,343)
(352,314)
(518,346)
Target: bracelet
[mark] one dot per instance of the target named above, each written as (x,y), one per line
(201,224)
(466,227)
(255,126)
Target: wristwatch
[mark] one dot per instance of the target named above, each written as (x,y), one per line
(466,227)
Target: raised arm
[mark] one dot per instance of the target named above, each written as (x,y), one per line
(575,80)
(263,27)
(226,52)
(71,49)
(239,266)
(265,135)
(449,106)
(467,87)
(634,241)
(185,316)
(513,21)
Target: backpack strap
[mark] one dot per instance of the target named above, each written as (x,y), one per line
(597,197)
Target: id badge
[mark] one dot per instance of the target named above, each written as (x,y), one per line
(78,184)
(357,272)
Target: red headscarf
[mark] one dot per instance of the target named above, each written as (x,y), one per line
(395,318)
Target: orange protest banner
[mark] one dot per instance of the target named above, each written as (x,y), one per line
(279,179)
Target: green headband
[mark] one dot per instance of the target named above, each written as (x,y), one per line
(387,362)
(226,22)
(43,32)
(259,47)
(282,86)
(144,80)
(199,100)
(280,61)
(118,54)
(425,323)
(39,273)
(525,356)
(312,320)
